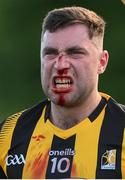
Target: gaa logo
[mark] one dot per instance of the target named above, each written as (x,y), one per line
(15,159)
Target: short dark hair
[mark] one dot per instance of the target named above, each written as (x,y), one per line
(63,17)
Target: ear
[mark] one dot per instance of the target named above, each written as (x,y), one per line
(103,62)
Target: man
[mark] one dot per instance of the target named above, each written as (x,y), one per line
(78,132)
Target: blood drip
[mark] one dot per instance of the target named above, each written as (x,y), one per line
(61,100)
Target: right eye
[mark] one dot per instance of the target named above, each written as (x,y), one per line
(50,56)
(50,53)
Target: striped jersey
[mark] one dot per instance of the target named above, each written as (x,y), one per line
(32,147)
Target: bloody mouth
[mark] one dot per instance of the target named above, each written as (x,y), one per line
(62,84)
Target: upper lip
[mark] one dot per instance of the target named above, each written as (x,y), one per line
(62,80)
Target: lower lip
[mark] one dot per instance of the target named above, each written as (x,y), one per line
(61,90)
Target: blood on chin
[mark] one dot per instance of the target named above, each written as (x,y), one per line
(61,96)
(61,100)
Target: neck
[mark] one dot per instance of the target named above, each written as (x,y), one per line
(67,117)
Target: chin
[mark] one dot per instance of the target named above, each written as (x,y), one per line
(62,99)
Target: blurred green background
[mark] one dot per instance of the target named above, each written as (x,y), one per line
(20,31)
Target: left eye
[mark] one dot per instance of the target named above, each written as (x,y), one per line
(76,55)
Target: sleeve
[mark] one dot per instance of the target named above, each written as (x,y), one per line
(6,131)
(2,174)
(123,156)
(1,124)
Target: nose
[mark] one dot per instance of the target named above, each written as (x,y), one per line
(62,62)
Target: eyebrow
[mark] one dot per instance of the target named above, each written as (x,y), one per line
(70,50)
(76,49)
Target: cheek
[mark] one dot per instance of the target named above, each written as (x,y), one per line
(46,72)
(46,66)
(92,67)
(86,73)
(43,65)
(43,74)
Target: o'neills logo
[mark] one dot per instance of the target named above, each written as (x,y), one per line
(65,152)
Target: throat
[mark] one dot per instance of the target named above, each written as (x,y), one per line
(66,117)
(65,123)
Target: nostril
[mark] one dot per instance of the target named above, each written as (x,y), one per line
(61,65)
(62,71)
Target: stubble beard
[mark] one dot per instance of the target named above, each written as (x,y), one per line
(66,100)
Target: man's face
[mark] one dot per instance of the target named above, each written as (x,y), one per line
(70,64)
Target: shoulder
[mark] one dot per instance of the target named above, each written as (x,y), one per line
(122,107)
(113,106)
(33,113)
(27,112)
(9,122)
(20,120)
(6,131)
(116,110)
(116,105)
(18,126)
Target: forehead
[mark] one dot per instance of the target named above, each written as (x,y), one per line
(68,36)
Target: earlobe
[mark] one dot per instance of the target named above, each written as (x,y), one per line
(103,62)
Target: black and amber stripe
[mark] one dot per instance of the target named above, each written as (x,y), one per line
(25,126)
(111,137)
(59,145)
